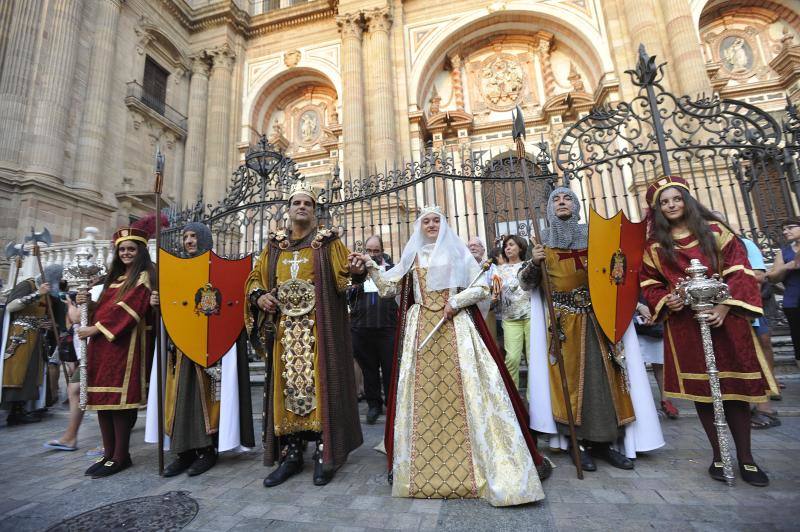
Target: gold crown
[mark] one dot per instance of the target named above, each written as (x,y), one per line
(302,187)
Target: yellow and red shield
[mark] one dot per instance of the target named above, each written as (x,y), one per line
(202,302)
(616,247)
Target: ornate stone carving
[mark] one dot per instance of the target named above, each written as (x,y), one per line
(309,126)
(350,25)
(291,58)
(435,101)
(501,81)
(222,57)
(575,79)
(199,65)
(455,75)
(379,19)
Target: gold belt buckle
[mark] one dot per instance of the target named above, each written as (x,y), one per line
(296,297)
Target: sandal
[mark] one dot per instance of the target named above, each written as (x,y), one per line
(764,420)
(58,446)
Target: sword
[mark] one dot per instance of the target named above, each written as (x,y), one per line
(484,267)
(702,293)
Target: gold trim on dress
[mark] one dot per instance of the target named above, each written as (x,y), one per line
(110,337)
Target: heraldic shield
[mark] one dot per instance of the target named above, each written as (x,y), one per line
(202,302)
(616,247)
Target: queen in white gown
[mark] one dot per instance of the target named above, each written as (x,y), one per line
(452,430)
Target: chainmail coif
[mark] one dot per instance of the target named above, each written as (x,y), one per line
(204,240)
(565,234)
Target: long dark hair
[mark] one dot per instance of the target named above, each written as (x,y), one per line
(141,263)
(697,217)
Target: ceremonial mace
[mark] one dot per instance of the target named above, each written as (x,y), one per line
(159,182)
(45,237)
(484,267)
(702,294)
(79,273)
(518,133)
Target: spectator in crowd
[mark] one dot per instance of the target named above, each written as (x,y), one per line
(373,321)
(651,343)
(786,269)
(515,305)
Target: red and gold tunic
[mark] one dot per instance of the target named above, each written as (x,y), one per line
(117,358)
(743,370)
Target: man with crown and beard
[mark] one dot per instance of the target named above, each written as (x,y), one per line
(28,342)
(609,393)
(198,423)
(296,318)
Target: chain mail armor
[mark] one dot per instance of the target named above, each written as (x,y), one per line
(565,234)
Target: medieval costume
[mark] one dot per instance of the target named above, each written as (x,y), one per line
(118,356)
(199,423)
(456,427)
(27,344)
(309,388)
(607,411)
(744,373)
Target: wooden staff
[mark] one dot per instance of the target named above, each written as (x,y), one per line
(50,314)
(159,182)
(548,296)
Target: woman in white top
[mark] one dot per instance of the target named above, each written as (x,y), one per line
(514,305)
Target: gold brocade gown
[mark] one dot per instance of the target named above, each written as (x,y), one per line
(456,434)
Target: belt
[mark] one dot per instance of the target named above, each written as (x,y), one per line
(576,301)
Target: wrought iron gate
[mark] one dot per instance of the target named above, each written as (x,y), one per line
(732,153)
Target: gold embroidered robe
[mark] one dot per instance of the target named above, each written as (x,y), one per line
(456,434)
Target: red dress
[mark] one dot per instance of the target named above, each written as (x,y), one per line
(743,370)
(117,358)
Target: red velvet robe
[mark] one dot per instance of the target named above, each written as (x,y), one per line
(744,373)
(117,358)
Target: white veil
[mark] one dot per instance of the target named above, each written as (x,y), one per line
(450,264)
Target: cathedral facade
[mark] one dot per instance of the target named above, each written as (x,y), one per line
(89,90)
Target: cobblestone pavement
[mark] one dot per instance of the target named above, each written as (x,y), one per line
(669,489)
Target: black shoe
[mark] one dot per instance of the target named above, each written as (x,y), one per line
(111,467)
(291,465)
(716,471)
(180,464)
(615,458)
(373,414)
(753,475)
(587,464)
(321,476)
(96,465)
(545,469)
(206,458)
(22,418)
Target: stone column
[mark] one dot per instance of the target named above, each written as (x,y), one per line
(353,98)
(383,140)
(543,49)
(194,159)
(88,163)
(44,140)
(687,56)
(15,77)
(217,138)
(643,29)
(455,77)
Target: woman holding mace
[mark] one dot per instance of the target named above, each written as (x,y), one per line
(119,340)
(456,427)
(681,229)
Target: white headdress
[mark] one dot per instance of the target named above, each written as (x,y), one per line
(449,262)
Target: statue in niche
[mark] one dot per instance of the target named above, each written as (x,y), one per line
(575,79)
(309,126)
(736,54)
(435,102)
(501,80)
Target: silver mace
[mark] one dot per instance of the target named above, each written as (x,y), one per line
(484,267)
(702,294)
(79,273)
